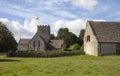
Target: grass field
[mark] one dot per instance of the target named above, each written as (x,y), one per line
(62,66)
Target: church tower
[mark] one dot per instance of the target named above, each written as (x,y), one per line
(44,32)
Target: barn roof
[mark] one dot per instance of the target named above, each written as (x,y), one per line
(56,43)
(106,31)
(24,41)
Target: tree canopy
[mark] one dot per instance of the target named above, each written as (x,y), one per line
(81,35)
(62,32)
(52,36)
(7,41)
(68,37)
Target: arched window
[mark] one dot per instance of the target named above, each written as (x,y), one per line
(33,43)
(38,43)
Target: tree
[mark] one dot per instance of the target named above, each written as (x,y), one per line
(52,36)
(7,41)
(68,37)
(62,33)
(81,36)
(75,47)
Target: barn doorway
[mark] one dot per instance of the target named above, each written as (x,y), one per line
(118,49)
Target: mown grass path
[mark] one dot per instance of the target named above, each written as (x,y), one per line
(62,66)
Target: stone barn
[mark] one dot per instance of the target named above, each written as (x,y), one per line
(40,41)
(102,38)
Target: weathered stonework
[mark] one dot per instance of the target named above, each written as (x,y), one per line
(90,47)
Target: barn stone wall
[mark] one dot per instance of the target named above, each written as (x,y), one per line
(90,47)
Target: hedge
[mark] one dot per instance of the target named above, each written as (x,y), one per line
(44,54)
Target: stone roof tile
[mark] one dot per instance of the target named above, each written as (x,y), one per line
(24,41)
(56,43)
(106,31)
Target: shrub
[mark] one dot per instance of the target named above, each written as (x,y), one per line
(43,53)
(75,47)
(82,49)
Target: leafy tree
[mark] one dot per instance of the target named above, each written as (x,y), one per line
(52,36)
(7,41)
(68,37)
(81,36)
(75,46)
(62,33)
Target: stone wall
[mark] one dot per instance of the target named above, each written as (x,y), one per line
(90,47)
(37,43)
(23,47)
(44,32)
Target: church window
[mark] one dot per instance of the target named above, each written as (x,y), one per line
(33,43)
(38,43)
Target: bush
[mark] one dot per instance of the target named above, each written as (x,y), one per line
(43,53)
(75,47)
(82,49)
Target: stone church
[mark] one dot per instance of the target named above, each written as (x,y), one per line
(40,41)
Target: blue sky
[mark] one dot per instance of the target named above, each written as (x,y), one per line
(20,15)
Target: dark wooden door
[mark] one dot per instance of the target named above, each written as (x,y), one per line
(118,49)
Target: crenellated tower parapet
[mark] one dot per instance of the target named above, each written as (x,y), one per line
(44,31)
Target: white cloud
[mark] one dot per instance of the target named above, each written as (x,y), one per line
(26,30)
(31,25)
(29,28)
(86,4)
(74,26)
(58,24)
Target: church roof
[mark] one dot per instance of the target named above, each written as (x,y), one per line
(106,31)
(24,41)
(56,43)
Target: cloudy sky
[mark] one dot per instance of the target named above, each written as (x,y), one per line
(23,16)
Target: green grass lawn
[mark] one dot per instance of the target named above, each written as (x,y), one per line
(62,66)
